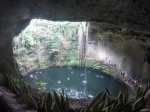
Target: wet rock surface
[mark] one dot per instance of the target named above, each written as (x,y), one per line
(11,103)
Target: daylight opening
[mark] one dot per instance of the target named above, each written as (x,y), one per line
(46,43)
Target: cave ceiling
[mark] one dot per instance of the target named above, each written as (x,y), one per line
(118,16)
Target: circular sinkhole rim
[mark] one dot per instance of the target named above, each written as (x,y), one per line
(124,85)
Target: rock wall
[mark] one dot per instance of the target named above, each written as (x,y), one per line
(15,15)
(117,48)
(6,54)
(135,14)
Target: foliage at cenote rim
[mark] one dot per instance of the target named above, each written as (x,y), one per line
(92,63)
(58,40)
(54,102)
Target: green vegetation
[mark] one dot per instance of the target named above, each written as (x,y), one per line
(96,65)
(53,102)
(56,42)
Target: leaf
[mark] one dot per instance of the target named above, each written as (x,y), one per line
(27,89)
(109,104)
(63,91)
(54,105)
(48,102)
(67,104)
(32,101)
(62,102)
(42,104)
(108,91)
(22,93)
(95,100)
(119,104)
(13,86)
(139,92)
(147,85)
(101,106)
(126,95)
(8,76)
(124,108)
(139,98)
(57,100)
(82,110)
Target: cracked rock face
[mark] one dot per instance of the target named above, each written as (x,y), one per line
(128,16)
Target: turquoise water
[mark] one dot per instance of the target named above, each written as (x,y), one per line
(71,79)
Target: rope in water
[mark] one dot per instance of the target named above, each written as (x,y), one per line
(49,80)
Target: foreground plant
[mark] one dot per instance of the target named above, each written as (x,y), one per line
(52,102)
(104,103)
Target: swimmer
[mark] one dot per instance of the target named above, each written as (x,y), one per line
(84,82)
(72,90)
(59,82)
(97,76)
(82,74)
(101,76)
(76,94)
(35,77)
(90,96)
(31,76)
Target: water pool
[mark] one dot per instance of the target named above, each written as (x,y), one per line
(72,80)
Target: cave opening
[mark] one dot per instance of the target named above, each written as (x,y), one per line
(46,44)
(123,51)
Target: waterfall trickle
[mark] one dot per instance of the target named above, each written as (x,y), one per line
(85,58)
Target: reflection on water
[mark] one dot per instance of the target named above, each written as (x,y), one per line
(71,79)
(69,67)
(84,81)
(100,76)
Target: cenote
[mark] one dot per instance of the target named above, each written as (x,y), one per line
(72,80)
